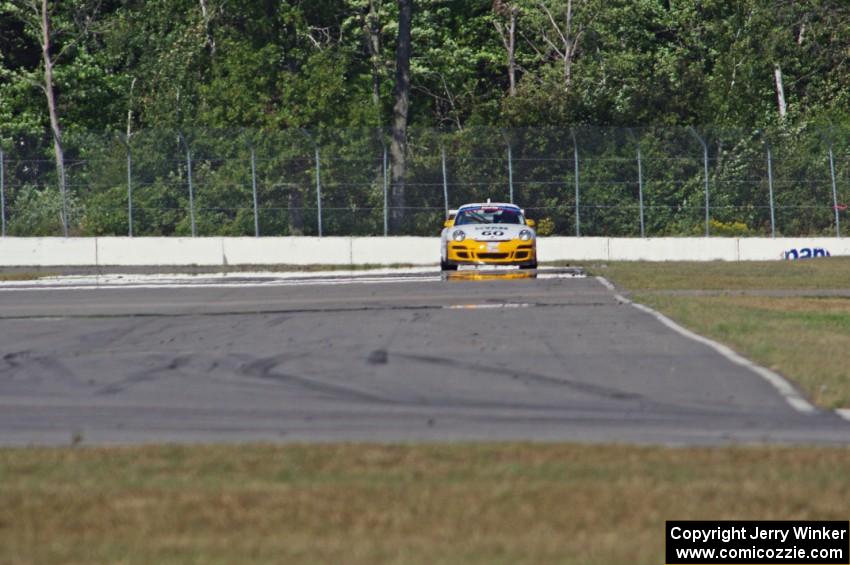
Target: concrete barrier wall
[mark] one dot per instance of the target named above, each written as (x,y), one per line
(36,251)
(285,251)
(573,248)
(214,251)
(158,251)
(673,249)
(393,250)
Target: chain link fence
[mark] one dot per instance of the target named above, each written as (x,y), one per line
(582,181)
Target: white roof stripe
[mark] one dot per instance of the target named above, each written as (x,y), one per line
(489,205)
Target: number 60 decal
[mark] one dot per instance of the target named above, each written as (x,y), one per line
(492,233)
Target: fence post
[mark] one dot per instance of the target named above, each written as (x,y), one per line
(318,158)
(705,165)
(770,191)
(575,162)
(319,188)
(386,188)
(2,195)
(64,188)
(834,192)
(510,170)
(191,189)
(129,191)
(446,181)
(640,191)
(254,192)
(182,139)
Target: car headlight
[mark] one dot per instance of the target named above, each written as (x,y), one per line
(458,235)
(526,235)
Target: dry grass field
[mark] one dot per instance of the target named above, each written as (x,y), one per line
(812,274)
(479,503)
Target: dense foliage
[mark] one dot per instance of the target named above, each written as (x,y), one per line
(216,80)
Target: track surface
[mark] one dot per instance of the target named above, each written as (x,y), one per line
(418,360)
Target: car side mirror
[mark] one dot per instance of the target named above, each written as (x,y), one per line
(530,223)
(448,223)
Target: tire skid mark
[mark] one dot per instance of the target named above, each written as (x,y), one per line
(586,388)
(14,359)
(264,369)
(284,311)
(645,404)
(277,320)
(103,339)
(38,368)
(145,376)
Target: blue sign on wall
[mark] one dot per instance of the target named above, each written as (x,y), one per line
(805,253)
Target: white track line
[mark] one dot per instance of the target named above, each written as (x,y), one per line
(783,387)
(234,284)
(237,277)
(486,306)
(606,283)
(243,279)
(844,413)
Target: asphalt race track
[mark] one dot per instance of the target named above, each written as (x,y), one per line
(406,359)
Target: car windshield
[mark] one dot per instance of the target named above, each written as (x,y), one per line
(486,215)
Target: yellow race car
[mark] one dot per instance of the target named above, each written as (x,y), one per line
(488,234)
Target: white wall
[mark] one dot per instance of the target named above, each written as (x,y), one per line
(212,251)
(673,249)
(158,251)
(33,251)
(285,251)
(573,248)
(392,250)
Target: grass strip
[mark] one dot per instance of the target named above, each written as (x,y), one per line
(460,503)
(827,273)
(23,276)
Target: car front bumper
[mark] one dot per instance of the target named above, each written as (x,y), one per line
(470,252)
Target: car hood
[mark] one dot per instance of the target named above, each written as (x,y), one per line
(493,232)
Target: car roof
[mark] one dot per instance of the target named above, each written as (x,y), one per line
(489,205)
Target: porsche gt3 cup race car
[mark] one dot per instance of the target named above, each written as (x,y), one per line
(488,234)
